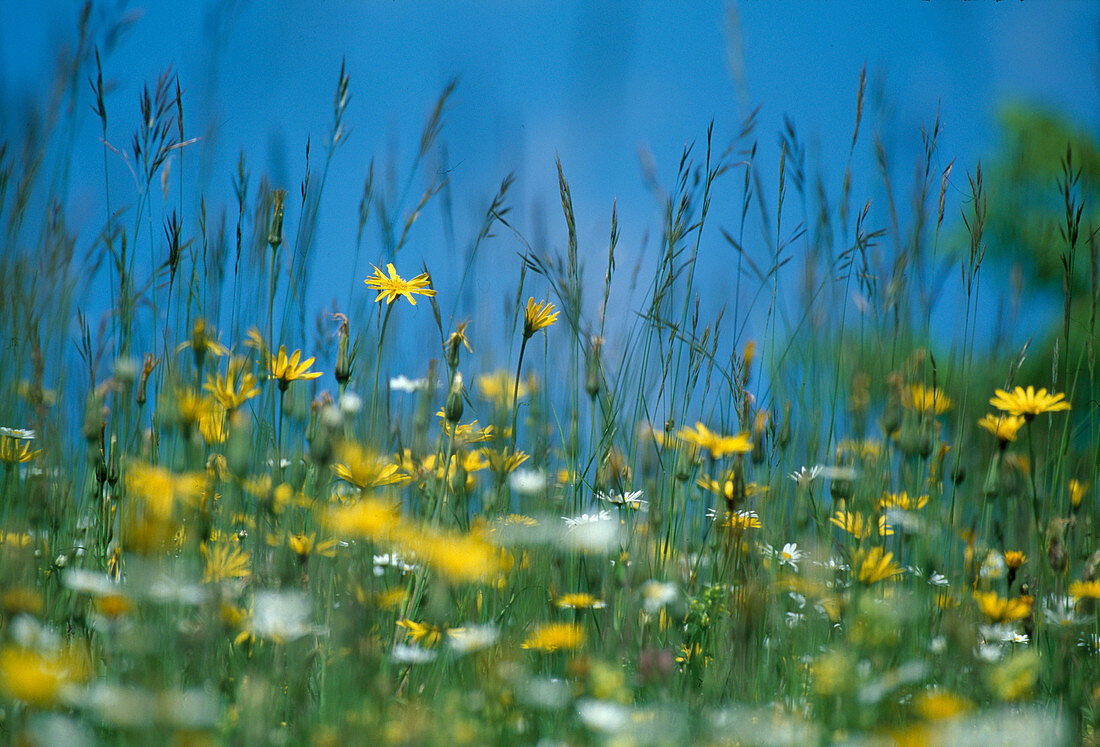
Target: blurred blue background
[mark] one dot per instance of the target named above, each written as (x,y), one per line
(602,86)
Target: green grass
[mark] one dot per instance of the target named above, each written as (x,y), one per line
(201,542)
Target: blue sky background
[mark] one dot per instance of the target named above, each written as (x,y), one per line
(594,84)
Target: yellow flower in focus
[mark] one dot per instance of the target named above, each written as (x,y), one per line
(998,609)
(717,444)
(223,562)
(1028,402)
(16,451)
(538,316)
(1003,427)
(876,565)
(287,369)
(1014,559)
(393,286)
(922,399)
(551,637)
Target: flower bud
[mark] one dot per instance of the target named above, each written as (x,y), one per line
(275,231)
(453,407)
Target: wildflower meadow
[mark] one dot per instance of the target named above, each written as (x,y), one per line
(535,493)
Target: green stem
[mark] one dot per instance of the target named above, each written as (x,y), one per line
(515,392)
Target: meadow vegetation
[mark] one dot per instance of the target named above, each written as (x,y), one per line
(809,516)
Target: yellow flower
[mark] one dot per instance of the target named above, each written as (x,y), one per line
(213,427)
(717,444)
(924,399)
(368,518)
(579,601)
(853,523)
(364,469)
(903,501)
(741,520)
(202,342)
(457,558)
(1014,559)
(538,316)
(1085,590)
(554,637)
(39,678)
(427,636)
(290,369)
(1004,427)
(303,545)
(505,461)
(876,565)
(1029,402)
(161,489)
(223,562)
(497,387)
(999,609)
(935,705)
(393,286)
(1077,490)
(235,388)
(16,451)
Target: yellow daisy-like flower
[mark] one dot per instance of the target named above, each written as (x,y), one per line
(422,634)
(368,518)
(739,521)
(554,637)
(161,489)
(365,469)
(538,316)
(1014,559)
(393,286)
(903,501)
(303,545)
(202,342)
(38,678)
(580,601)
(876,565)
(235,388)
(16,451)
(287,369)
(223,562)
(998,609)
(924,399)
(717,444)
(1004,427)
(853,523)
(1085,590)
(1028,402)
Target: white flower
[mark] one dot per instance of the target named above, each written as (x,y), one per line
(632,499)
(804,476)
(23,434)
(404,653)
(403,383)
(472,638)
(1062,612)
(657,594)
(350,403)
(937,579)
(602,715)
(572,522)
(280,615)
(528,481)
(794,619)
(993,566)
(790,555)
